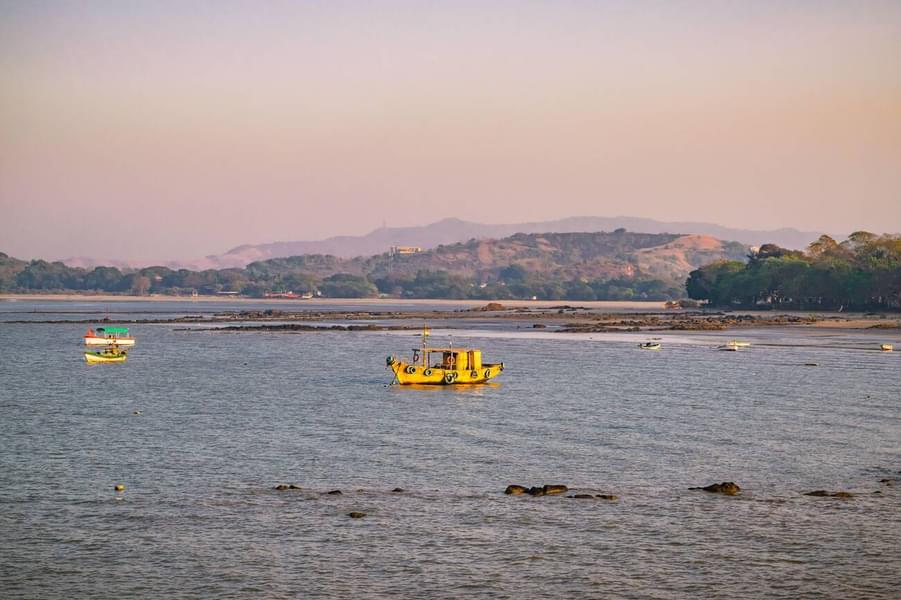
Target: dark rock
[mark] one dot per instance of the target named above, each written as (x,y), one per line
(728,488)
(356,515)
(398,490)
(493,306)
(827,494)
(536,491)
(606,496)
(581,496)
(334,493)
(285,486)
(516,490)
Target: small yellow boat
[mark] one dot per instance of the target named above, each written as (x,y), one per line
(109,355)
(886,347)
(443,366)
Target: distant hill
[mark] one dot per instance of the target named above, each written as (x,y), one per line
(448,231)
(552,256)
(574,266)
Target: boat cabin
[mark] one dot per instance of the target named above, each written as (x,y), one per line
(456,359)
(110,332)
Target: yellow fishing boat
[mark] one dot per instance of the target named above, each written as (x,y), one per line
(443,366)
(109,355)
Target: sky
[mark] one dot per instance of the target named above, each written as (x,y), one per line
(164,130)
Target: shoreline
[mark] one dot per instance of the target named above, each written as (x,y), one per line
(562,319)
(611,304)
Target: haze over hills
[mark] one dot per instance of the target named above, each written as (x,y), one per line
(611,265)
(558,256)
(449,231)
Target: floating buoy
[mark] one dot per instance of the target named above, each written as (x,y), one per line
(119,487)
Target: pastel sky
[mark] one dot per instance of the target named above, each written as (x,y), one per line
(178,129)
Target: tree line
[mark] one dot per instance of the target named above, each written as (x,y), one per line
(293,274)
(862,272)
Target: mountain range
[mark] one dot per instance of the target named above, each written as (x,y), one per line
(578,265)
(560,256)
(451,230)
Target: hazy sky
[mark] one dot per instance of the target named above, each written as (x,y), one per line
(178,129)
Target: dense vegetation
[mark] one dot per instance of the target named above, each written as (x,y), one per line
(618,265)
(862,272)
(510,283)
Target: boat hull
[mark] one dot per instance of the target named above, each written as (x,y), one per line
(103,341)
(96,358)
(407,374)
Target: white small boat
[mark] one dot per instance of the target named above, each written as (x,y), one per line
(650,346)
(886,347)
(733,346)
(104,336)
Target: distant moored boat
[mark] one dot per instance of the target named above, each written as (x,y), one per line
(103,336)
(108,355)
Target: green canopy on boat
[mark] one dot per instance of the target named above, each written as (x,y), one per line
(113,329)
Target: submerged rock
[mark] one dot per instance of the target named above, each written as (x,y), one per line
(581,496)
(606,496)
(286,486)
(827,494)
(544,490)
(334,493)
(398,490)
(547,490)
(729,488)
(356,515)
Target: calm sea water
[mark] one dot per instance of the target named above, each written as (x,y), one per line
(225,417)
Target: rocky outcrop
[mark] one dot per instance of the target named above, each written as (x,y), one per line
(286,486)
(545,490)
(827,494)
(729,488)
